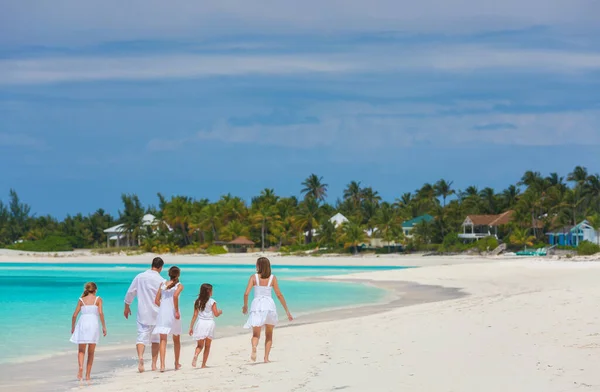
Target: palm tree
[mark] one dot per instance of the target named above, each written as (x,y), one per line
(208,219)
(579,175)
(178,214)
(387,223)
(308,217)
(353,234)
(353,192)
(233,230)
(131,217)
(443,189)
(314,188)
(533,180)
(510,196)
(488,197)
(262,215)
(520,237)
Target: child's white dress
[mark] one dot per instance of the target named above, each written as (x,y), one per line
(87,329)
(262,310)
(205,325)
(166,323)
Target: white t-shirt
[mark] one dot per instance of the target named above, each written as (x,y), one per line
(145,286)
(207,313)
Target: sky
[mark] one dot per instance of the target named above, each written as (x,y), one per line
(204,99)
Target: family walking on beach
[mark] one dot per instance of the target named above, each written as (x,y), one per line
(158,315)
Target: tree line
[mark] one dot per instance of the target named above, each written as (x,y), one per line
(540,203)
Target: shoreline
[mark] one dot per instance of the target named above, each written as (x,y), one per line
(113,359)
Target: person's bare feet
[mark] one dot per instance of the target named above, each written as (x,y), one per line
(177,366)
(154,368)
(80,374)
(253,355)
(141,365)
(195,361)
(267,360)
(203,366)
(162,369)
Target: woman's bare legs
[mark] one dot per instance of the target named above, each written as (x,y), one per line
(80,358)
(177,349)
(255,339)
(90,361)
(163,351)
(268,340)
(199,348)
(207,343)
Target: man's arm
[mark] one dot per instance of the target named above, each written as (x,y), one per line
(130,296)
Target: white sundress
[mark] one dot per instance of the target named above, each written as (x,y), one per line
(262,310)
(166,323)
(205,325)
(87,329)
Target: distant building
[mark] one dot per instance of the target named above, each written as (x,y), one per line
(409,225)
(117,234)
(480,226)
(573,235)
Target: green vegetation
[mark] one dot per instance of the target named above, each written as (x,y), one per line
(216,250)
(587,248)
(296,224)
(48,244)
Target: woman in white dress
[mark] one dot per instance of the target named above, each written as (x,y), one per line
(86,332)
(168,321)
(203,331)
(263,311)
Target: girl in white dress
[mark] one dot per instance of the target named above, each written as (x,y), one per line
(168,321)
(86,332)
(205,310)
(263,311)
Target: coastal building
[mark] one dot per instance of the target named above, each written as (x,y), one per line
(573,235)
(476,227)
(409,225)
(240,245)
(118,235)
(337,220)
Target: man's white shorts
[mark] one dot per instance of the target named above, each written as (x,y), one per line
(145,335)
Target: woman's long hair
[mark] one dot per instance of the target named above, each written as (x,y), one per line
(174,273)
(89,288)
(263,267)
(203,297)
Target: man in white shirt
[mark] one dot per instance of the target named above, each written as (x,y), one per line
(145,286)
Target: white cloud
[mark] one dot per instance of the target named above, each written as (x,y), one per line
(345,131)
(72,21)
(362,60)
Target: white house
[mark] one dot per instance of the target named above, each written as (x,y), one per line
(117,233)
(337,220)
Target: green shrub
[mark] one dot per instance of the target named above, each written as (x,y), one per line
(48,244)
(487,244)
(587,248)
(216,250)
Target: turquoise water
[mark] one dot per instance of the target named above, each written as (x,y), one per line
(37,300)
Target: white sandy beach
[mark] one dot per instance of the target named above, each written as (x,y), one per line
(526,325)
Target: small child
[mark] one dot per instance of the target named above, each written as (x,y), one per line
(86,332)
(168,321)
(205,310)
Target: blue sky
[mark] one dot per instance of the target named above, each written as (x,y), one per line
(180,97)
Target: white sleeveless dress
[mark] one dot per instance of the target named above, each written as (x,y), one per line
(205,325)
(262,310)
(87,329)
(166,323)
